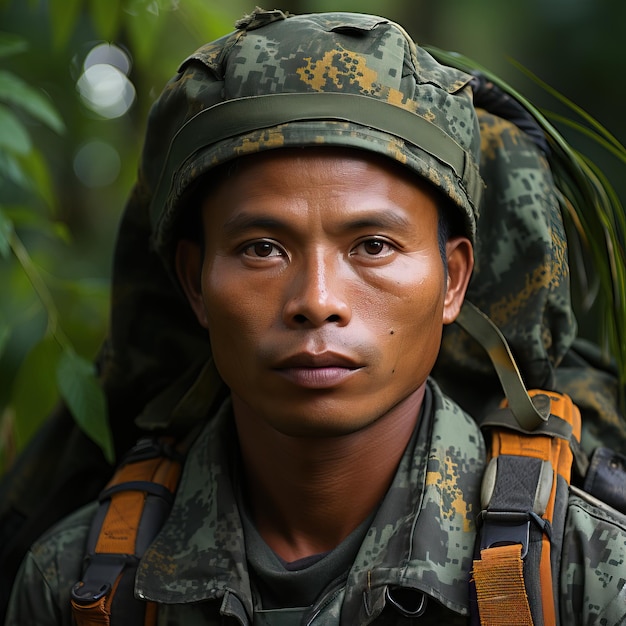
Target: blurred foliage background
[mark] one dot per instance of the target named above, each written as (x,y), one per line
(77,78)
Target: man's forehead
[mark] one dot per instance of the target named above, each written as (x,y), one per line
(350,188)
(329,160)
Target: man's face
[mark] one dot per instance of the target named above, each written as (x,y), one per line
(322,287)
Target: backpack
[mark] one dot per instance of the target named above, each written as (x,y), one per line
(536,448)
(545,357)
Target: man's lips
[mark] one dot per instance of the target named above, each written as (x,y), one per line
(319,359)
(317,371)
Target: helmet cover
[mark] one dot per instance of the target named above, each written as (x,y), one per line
(328,79)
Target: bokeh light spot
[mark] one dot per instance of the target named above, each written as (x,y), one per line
(108,54)
(104,85)
(97,164)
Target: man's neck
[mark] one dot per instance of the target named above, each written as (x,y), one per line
(308,494)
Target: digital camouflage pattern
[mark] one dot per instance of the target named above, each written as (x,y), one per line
(165,380)
(528,301)
(521,219)
(421,541)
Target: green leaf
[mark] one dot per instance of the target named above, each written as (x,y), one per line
(106,17)
(610,145)
(13,136)
(37,171)
(18,93)
(10,169)
(63,15)
(589,119)
(81,391)
(5,333)
(24,217)
(34,390)
(11,44)
(6,230)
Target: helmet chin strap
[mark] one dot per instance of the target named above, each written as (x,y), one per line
(529,415)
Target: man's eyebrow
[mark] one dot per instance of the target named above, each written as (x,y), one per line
(378,219)
(370,219)
(242,222)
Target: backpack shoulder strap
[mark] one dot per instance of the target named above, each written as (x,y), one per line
(133,507)
(524,502)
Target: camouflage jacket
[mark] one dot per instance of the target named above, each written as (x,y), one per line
(421,541)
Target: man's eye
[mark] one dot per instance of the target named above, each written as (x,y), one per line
(262,249)
(373,247)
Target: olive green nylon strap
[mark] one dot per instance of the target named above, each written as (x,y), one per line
(243,115)
(483,330)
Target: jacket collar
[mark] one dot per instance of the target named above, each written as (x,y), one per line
(422,537)
(426,521)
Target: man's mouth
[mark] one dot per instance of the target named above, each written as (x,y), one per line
(317,371)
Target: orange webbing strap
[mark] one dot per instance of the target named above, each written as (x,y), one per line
(497,568)
(119,529)
(520,487)
(149,474)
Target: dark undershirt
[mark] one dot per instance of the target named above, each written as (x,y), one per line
(279,584)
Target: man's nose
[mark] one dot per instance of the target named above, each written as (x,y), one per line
(317,294)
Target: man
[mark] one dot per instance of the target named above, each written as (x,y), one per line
(312,187)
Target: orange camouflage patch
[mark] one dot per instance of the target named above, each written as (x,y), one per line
(451,502)
(336,66)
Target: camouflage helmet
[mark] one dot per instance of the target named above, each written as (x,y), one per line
(338,79)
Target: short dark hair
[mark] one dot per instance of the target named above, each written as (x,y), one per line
(449,224)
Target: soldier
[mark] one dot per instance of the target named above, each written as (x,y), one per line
(311,187)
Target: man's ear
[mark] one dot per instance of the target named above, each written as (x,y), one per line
(189,271)
(460,256)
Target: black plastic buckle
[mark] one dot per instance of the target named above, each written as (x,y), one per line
(101,573)
(408,602)
(504,528)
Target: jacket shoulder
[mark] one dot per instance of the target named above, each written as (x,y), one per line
(593,563)
(41,592)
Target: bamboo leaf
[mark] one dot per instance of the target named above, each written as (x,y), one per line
(16,92)
(81,391)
